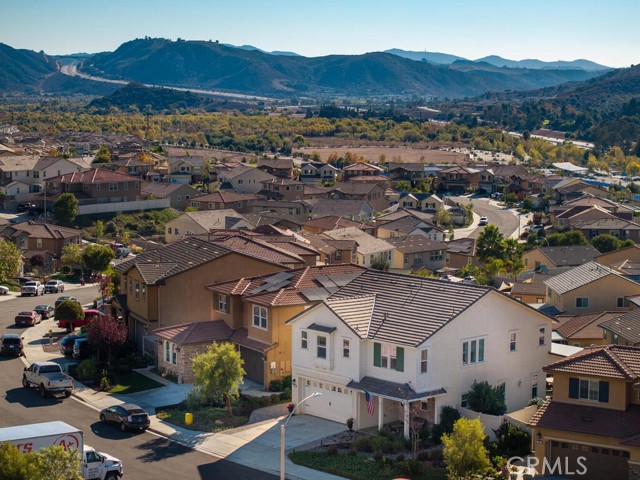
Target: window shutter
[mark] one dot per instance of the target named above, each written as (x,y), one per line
(400,359)
(603,394)
(377,355)
(574,387)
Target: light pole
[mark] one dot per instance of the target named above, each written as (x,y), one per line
(284,426)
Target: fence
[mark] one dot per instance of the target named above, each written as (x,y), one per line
(124,206)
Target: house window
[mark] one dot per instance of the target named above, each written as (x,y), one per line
(513,346)
(130,286)
(144,292)
(168,229)
(39,242)
(179,198)
(346,348)
(321,343)
(113,187)
(174,354)
(582,302)
(534,386)
(137,290)
(137,185)
(240,182)
(622,302)
(423,361)
(388,356)
(167,351)
(586,389)
(417,257)
(97,187)
(176,231)
(85,186)
(437,255)
(473,351)
(589,390)
(464,400)
(304,339)
(541,334)
(223,303)
(260,317)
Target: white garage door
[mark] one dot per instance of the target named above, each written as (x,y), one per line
(335,403)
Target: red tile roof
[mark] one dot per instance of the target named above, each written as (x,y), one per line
(605,361)
(583,326)
(197,332)
(93,176)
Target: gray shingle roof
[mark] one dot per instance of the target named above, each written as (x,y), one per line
(626,325)
(573,255)
(400,391)
(407,309)
(580,276)
(355,310)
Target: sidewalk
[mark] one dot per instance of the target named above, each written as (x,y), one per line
(256,445)
(67,288)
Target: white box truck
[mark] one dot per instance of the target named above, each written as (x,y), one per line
(31,438)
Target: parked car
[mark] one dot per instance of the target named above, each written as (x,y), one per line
(127,415)
(54,286)
(11,344)
(24,206)
(89,315)
(483,221)
(123,252)
(81,348)
(48,378)
(32,287)
(536,228)
(4,290)
(67,343)
(45,311)
(64,298)
(27,318)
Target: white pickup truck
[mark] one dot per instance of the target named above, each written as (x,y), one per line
(31,438)
(48,377)
(34,288)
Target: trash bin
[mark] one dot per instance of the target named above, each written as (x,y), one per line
(188,418)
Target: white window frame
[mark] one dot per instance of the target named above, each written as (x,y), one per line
(223,303)
(473,351)
(590,384)
(113,186)
(167,351)
(542,333)
(346,348)
(304,339)
(322,346)
(388,356)
(260,317)
(513,341)
(174,354)
(424,360)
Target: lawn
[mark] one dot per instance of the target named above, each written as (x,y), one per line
(133,382)
(364,467)
(205,419)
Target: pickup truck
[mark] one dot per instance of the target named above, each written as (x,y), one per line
(48,378)
(32,287)
(34,437)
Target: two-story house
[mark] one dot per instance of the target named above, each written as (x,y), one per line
(179,194)
(332,251)
(426,202)
(223,200)
(372,193)
(561,256)
(316,172)
(416,252)
(457,179)
(370,250)
(242,179)
(97,185)
(408,172)
(186,169)
(202,222)
(412,342)
(583,330)
(279,167)
(361,170)
(590,425)
(282,189)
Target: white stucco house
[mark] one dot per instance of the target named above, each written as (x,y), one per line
(415,345)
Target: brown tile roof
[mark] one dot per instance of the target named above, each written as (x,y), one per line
(354,188)
(522,288)
(626,325)
(223,197)
(254,247)
(162,189)
(583,326)
(571,256)
(289,244)
(241,337)
(331,222)
(93,176)
(197,332)
(588,420)
(44,230)
(605,361)
(329,246)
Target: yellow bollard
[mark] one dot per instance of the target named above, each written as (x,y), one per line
(188,418)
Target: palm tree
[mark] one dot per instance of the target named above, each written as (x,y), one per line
(490,243)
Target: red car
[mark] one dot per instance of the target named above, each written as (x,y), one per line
(28,319)
(89,315)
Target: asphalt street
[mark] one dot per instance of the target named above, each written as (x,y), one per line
(144,455)
(505,220)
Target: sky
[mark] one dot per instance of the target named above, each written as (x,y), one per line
(603,31)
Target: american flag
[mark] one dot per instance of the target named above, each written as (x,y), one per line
(371,404)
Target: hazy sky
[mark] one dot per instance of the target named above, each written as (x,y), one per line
(604,31)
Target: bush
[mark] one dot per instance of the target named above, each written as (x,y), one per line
(484,398)
(448,416)
(87,369)
(422,455)
(363,444)
(512,441)
(436,454)
(400,457)
(353,451)
(411,467)
(332,450)
(275,399)
(378,456)
(380,443)
(286,395)
(276,386)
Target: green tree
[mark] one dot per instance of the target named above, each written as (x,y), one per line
(464,451)
(574,237)
(403,186)
(65,208)
(97,258)
(605,243)
(442,217)
(99,226)
(484,398)
(103,155)
(15,465)
(10,260)
(490,243)
(72,256)
(56,463)
(218,373)
(69,310)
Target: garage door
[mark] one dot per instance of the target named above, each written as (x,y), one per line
(253,364)
(335,403)
(600,463)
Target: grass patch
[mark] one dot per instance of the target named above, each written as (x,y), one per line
(204,418)
(133,382)
(12,285)
(363,467)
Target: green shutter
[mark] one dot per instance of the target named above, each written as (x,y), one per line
(574,387)
(603,393)
(377,355)
(400,359)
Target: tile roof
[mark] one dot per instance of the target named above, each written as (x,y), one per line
(45,230)
(173,258)
(580,276)
(93,176)
(197,332)
(357,310)
(363,166)
(605,361)
(408,224)
(462,246)
(241,337)
(331,222)
(410,167)
(254,247)
(403,213)
(626,325)
(343,208)
(223,197)
(328,246)
(275,163)
(621,424)
(572,256)
(583,326)
(407,309)
(399,391)
(357,188)
(213,219)
(607,224)
(522,288)
(162,189)
(367,244)
(289,244)
(416,243)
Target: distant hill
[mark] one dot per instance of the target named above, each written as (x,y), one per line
(579,64)
(23,70)
(251,47)
(430,57)
(159,99)
(209,65)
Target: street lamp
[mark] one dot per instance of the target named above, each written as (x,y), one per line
(284,425)
(543,238)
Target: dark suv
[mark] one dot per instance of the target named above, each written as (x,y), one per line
(127,415)
(11,344)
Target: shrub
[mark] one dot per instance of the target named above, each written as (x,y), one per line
(422,455)
(286,382)
(436,454)
(484,398)
(448,416)
(400,457)
(353,451)
(380,443)
(286,395)
(363,444)
(332,450)
(275,386)
(512,441)
(378,456)
(411,466)
(87,369)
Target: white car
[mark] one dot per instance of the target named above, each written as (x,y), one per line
(3,290)
(483,221)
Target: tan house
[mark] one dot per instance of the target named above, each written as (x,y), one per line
(361,170)
(590,288)
(370,250)
(615,257)
(462,252)
(223,200)
(590,425)
(529,292)
(243,180)
(198,223)
(282,189)
(179,194)
(583,330)
(333,251)
(372,193)
(40,236)
(256,311)
(415,252)
(565,256)
(622,329)
(330,222)
(165,287)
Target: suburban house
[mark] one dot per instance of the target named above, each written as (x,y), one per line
(572,188)
(623,329)
(298,209)
(411,225)
(15,192)
(408,172)
(462,252)
(186,169)
(282,189)
(97,185)
(165,287)
(256,310)
(531,290)
(594,414)
(608,259)
(351,209)
(34,236)
(198,223)
(372,193)
(332,251)
(370,250)
(415,252)
(565,256)
(130,166)
(414,345)
(619,228)
(316,172)
(223,200)
(278,167)
(590,288)
(426,202)
(244,180)
(361,170)
(457,179)
(582,330)
(179,194)
(329,222)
